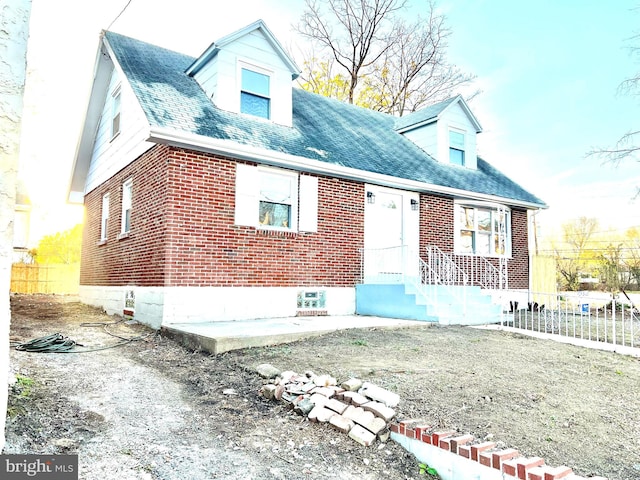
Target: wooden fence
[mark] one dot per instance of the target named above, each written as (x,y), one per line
(36,278)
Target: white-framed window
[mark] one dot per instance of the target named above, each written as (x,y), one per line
(127,196)
(276,199)
(456,147)
(104,217)
(255,92)
(483,230)
(115,112)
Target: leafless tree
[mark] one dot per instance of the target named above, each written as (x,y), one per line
(390,64)
(628,146)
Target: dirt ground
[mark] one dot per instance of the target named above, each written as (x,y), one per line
(151,409)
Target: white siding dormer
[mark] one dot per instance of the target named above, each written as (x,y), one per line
(446,131)
(219,72)
(453,126)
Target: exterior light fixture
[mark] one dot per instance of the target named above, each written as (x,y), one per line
(414,204)
(371,198)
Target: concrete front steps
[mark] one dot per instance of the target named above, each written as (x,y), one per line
(434,303)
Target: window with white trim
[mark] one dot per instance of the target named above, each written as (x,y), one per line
(104,218)
(127,196)
(483,230)
(456,147)
(255,97)
(276,199)
(115,112)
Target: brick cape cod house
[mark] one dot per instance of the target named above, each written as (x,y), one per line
(215,190)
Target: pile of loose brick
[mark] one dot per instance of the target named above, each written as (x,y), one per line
(359,409)
(365,412)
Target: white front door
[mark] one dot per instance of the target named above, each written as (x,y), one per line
(391,234)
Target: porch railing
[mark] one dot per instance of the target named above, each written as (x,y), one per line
(402,265)
(446,269)
(456,269)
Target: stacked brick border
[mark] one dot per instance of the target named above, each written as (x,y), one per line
(509,461)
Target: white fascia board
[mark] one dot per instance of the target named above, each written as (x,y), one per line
(472,118)
(215,47)
(84,147)
(415,126)
(232,149)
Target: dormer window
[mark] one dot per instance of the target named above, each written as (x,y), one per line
(255,98)
(456,147)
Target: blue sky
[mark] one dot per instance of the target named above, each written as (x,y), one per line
(548,71)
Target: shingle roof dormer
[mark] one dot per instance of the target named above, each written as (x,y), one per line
(249,72)
(446,131)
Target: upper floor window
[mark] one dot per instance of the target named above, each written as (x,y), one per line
(115,112)
(483,231)
(456,147)
(127,195)
(255,96)
(104,219)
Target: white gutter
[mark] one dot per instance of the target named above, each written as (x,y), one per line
(229,148)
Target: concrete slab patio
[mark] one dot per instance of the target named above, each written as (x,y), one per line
(220,337)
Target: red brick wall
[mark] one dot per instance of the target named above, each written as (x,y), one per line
(183,232)
(137,259)
(519,262)
(436,220)
(436,223)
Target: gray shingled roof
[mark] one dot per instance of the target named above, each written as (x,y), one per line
(323,129)
(424,114)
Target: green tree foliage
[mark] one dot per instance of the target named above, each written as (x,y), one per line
(369,54)
(61,247)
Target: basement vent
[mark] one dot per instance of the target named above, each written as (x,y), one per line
(311,299)
(129,304)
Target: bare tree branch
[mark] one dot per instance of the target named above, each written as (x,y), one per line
(393,65)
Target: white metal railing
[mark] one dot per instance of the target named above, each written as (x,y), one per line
(401,265)
(445,268)
(482,272)
(430,277)
(457,269)
(386,265)
(581,315)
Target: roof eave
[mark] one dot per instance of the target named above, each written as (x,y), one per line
(215,47)
(472,118)
(261,155)
(82,157)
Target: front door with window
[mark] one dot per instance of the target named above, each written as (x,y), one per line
(391,234)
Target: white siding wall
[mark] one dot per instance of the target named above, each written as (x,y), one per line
(220,79)
(426,138)
(111,155)
(157,306)
(455,117)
